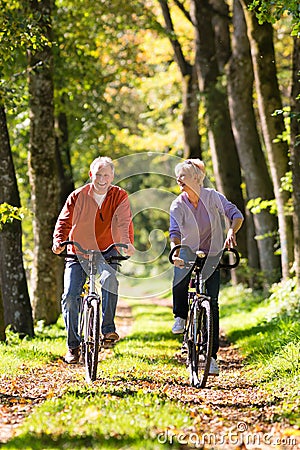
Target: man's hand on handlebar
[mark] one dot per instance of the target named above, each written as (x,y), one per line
(58,249)
(129,251)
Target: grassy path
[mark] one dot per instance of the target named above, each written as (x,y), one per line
(18,396)
(141,399)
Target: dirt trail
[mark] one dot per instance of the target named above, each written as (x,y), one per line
(230,413)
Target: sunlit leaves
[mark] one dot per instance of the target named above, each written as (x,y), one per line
(256,205)
(272,11)
(9,213)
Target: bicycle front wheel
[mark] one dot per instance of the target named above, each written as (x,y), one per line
(91,337)
(204,341)
(200,342)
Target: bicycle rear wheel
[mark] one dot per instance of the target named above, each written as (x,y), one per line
(200,342)
(91,337)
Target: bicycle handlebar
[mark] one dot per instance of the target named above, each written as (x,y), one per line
(95,252)
(221,265)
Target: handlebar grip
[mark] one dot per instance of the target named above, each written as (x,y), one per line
(176,247)
(76,245)
(236,262)
(221,265)
(87,252)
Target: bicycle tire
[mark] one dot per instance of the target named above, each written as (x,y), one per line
(91,337)
(200,342)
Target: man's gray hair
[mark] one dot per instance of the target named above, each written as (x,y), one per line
(102,161)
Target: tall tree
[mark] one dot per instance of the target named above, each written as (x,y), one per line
(295,152)
(221,139)
(269,100)
(255,171)
(190,92)
(14,292)
(2,322)
(42,167)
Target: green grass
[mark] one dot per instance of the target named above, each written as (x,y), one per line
(48,345)
(100,419)
(269,342)
(127,407)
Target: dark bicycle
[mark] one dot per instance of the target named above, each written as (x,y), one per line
(90,308)
(198,333)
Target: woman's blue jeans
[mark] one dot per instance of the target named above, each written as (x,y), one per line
(74,278)
(180,287)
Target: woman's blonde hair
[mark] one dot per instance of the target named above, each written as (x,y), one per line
(195,166)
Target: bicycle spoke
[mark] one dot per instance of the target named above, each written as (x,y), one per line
(199,340)
(204,342)
(91,338)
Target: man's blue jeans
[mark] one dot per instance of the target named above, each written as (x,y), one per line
(74,278)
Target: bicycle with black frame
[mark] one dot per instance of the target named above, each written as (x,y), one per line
(198,332)
(90,307)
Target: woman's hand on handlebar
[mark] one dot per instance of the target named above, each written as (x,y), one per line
(174,254)
(230,241)
(178,262)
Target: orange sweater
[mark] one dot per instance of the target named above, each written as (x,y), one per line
(95,228)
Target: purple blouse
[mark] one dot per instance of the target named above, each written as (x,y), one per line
(202,228)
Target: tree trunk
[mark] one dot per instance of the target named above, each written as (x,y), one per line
(65,178)
(63,157)
(252,159)
(224,153)
(190,115)
(2,322)
(42,172)
(268,97)
(295,153)
(190,92)
(15,297)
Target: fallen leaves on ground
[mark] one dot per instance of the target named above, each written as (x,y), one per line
(230,407)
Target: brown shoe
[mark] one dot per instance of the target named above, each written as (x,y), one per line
(72,355)
(112,336)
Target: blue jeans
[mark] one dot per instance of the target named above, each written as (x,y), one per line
(74,278)
(180,294)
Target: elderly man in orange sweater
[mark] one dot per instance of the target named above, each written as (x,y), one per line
(96,215)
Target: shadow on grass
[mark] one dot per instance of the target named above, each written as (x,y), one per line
(162,341)
(95,441)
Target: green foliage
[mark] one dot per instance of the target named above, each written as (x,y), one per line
(267,330)
(256,205)
(100,67)
(284,300)
(272,11)
(9,213)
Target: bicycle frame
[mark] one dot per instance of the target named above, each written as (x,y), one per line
(198,333)
(89,322)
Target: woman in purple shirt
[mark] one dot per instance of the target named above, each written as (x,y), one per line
(197,219)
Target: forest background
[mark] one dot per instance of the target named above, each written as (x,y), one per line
(146,83)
